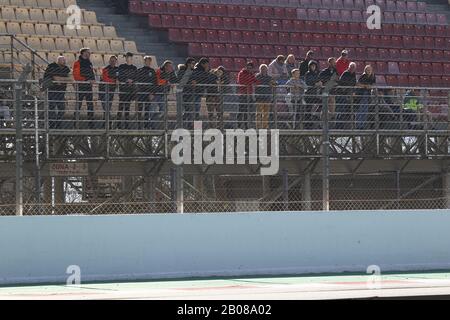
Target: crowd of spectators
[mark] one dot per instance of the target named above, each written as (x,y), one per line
(300,84)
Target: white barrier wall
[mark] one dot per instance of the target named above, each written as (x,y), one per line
(39,249)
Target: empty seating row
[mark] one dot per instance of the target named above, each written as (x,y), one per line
(39,3)
(72,44)
(285,38)
(182,21)
(47,15)
(57,30)
(268,51)
(326,15)
(98,60)
(267,9)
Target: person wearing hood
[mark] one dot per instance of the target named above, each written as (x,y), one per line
(83,74)
(127,75)
(246,80)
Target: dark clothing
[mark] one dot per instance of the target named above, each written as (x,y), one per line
(83,70)
(127,92)
(326,74)
(146,75)
(56,70)
(263,91)
(107,91)
(127,72)
(347,79)
(304,67)
(366,80)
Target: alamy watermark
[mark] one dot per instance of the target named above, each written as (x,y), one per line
(236,146)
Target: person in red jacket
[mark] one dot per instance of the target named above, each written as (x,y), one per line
(246,81)
(342,63)
(83,74)
(109,84)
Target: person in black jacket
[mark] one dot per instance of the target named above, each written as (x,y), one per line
(304,65)
(55,76)
(329,78)
(165,78)
(198,83)
(108,87)
(146,77)
(347,82)
(312,98)
(127,74)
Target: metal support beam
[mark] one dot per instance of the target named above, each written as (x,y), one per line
(325,155)
(306,191)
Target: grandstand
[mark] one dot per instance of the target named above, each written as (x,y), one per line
(397,158)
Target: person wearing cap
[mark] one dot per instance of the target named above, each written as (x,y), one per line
(108,85)
(127,75)
(55,80)
(364,85)
(305,63)
(246,80)
(342,63)
(146,77)
(83,74)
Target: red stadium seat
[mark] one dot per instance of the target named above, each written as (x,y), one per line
(197,9)
(175,35)
(204,22)
(216,23)
(302,14)
(437,55)
(256,50)
(223,36)
(260,37)
(185,8)
(272,37)
(391,80)
(244,11)
(215,62)
(154,21)
(256,12)
(159,7)
(229,23)
(276,25)
(349,4)
(148,7)
(288,25)
(401,5)
(252,24)
(195,49)
(284,38)
(244,50)
(211,36)
(241,23)
(268,51)
(268,12)
(330,39)
(264,25)
(410,29)
(207,49)
(313,14)
(431,18)
(173,8)
(421,18)
(381,67)
(200,35)
(393,68)
(187,35)
(291,13)
(415,55)
(209,9)
(324,15)
(232,50)
(167,21)
(135,7)
(404,67)
(191,21)
(236,36)
(248,37)
(219,49)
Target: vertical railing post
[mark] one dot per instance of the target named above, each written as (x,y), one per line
(176,175)
(274,106)
(325,155)
(285,189)
(36,141)
(19,147)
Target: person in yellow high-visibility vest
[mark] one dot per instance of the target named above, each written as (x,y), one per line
(412,106)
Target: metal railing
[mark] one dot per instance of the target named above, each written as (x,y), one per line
(106,107)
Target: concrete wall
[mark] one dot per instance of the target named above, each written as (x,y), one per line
(39,249)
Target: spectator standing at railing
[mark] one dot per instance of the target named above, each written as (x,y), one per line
(305,63)
(146,77)
(278,70)
(329,78)
(312,98)
(166,77)
(197,81)
(347,82)
(342,63)
(246,81)
(127,75)
(364,91)
(55,77)
(83,73)
(107,88)
(291,64)
(214,98)
(296,87)
(264,96)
